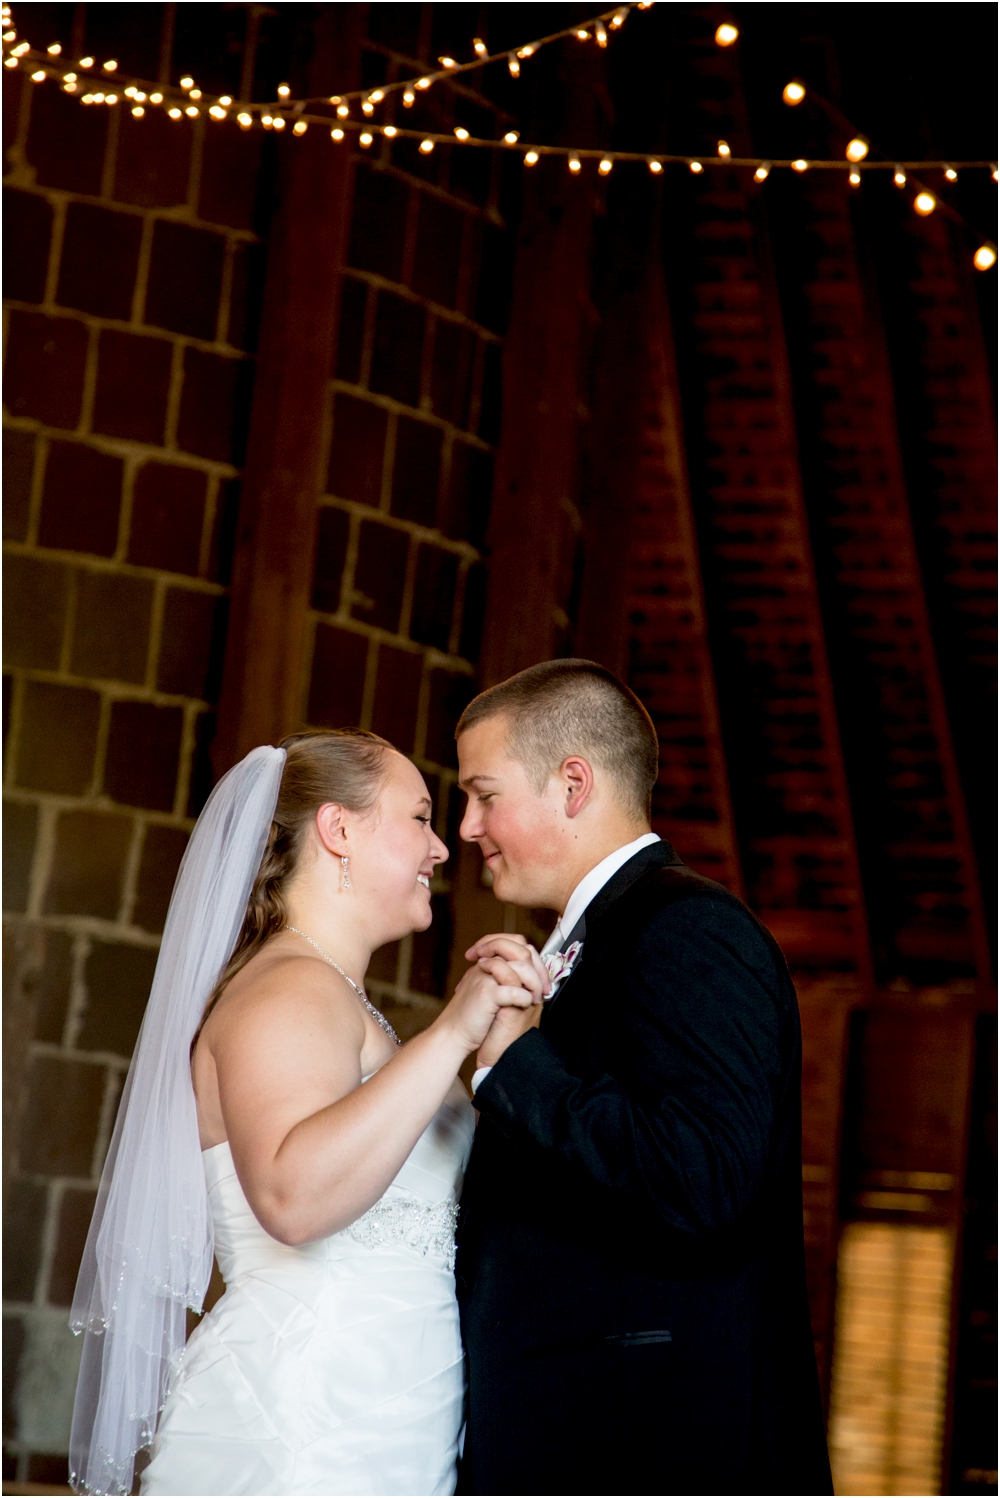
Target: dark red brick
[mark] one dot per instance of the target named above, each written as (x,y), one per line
(140,768)
(27,230)
(473,613)
(379,575)
(23,1224)
(337,684)
(66,143)
(61,1117)
(133,380)
(331,553)
(192,645)
(168,509)
(246,296)
(351,329)
(451,371)
(43,372)
(398,348)
(439,250)
(416,471)
(397,690)
(450,695)
(153,160)
(89,864)
(215,406)
(57,739)
(100,256)
(81,499)
(111,629)
(118,979)
(51,986)
(75,1212)
(162,850)
(18,472)
(185,279)
(490,406)
(35,598)
(470,492)
(230,177)
(223,540)
(433,596)
(20,827)
(378,223)
(357,450)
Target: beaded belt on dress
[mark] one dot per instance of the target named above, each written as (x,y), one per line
(429,1228)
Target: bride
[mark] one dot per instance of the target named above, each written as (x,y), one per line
(319,1158)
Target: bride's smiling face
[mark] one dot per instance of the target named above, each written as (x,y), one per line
(393,852)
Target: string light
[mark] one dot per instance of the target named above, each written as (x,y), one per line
(426,147)
(514,66)
(479,46)
(225,101)
(763,172)
(574,163)
(38,77)
(925,203)
(111,98)
(376,97)
(985,257)
(408,99)
(723,149)
(367,108)
(20,49)
(604,166)
(447,62)
(186,82)
(423,83)
(244,120)
(583,35)
(111,65)
(217,112)
(725,35)
(278,122)
(138,111)
(336,133)
(857,149)
(54,50)
(192,112)
(461,132)
(899,177)
(800,165)
(300,127)
(174,114)
(343,111)
(950,174)
(524,52)
(86,62)
(530,158)
(696,167)
(156,98)
(620,17)
(854,178)
(656,167)
(600,35)
(195,93)
(512,137)
(389,130)
(283,90)
(365,139)
(793,93)
(993,173)
(10,62)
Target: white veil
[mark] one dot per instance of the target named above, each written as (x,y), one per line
(149,1250)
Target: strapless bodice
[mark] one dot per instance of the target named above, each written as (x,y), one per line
(417,1212)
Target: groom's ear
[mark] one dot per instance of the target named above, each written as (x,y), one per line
(577,776)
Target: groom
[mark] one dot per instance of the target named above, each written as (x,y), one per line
(630,1262)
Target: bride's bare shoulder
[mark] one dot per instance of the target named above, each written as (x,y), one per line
(279,986)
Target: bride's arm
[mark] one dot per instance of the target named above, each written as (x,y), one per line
(312,1148)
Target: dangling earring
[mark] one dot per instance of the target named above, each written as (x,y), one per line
(343,865)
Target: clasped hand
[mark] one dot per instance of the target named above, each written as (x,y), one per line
(508,960)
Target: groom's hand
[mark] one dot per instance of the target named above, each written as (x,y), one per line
(509,1025)
(516,950)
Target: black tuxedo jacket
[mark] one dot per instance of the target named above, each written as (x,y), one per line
(630,1259)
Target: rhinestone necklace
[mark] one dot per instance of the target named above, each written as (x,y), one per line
(376,1014)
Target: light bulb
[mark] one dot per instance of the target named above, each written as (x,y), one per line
(110,65)
(343,111)
(365,139)
(244,120)
(620,17)
(857,149)
(447,62)
(763,172)
(724,148)
(225,101)
(924,203)
(21,48)
(656,167)
(583,35)
(69,88)
(86,62)
(390,131)
(461,132)
(854,178)
(111,98)
(283,90)
(191,112)
(511,137)
(186,82)
(605,166)
(899,177)
(174,114)
(10,62)
(600,35)
(426,147)
(725,35)
(300,127)
(376,97)
(423,83)
(266,121)
(993,174)
(525,51)
(514,66)
(696,167)
(156,98)
(138,111)
(530,157)
(54,50)
(334,98)
(195,93)
(408,99)
(278,122)
(985,257)
(479,46)
(336,133)
(574,163)
(367,108)
(97,98)
(950,174)
(793,93)
(799,165)
(217,112)
(38,77)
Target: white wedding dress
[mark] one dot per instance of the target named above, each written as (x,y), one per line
(335,1367)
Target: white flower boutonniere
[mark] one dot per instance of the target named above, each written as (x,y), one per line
(559,965)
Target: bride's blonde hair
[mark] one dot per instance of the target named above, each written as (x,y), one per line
(343,765)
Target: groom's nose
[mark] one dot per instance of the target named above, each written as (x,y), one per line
(472,823)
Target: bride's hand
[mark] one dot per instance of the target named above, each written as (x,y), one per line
(493,984)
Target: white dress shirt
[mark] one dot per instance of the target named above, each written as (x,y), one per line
(590,885)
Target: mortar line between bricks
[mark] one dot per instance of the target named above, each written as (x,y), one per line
(406,293)
(90,925)
(174,392)
(87,562)
(89,384)
(37,489)
(130,877)
(208,526)
(47,1246)
(58,203)
(426,533)
(155,632)
(41,863)
(77,991)
(142,272)
(121,447)
(126,325)
(101,747)
(109,1106)
(409,586)
(115,691)
(14,727)
(120,555)
(69,625)
(456,664)
(182,790)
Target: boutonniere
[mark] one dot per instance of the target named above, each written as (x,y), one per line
(559,965)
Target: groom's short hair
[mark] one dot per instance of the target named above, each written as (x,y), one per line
(559,708)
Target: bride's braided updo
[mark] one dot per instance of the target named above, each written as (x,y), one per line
(343,765)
